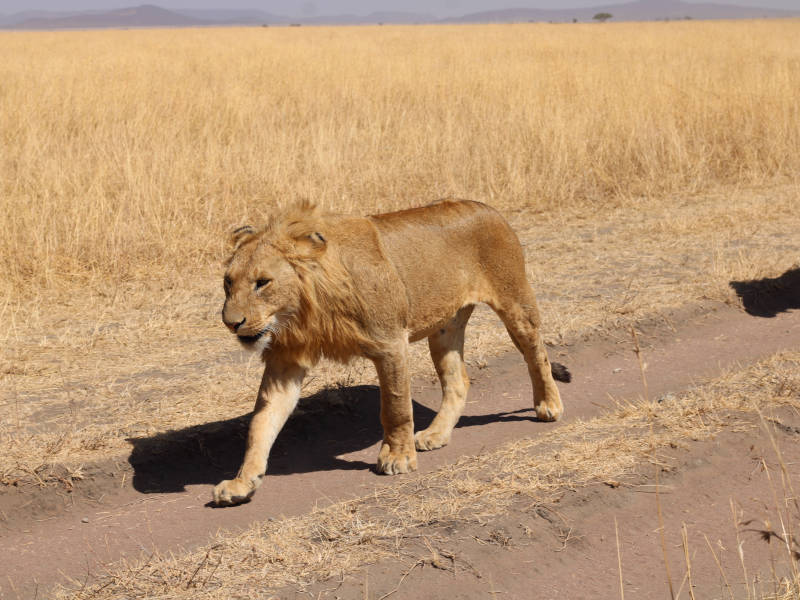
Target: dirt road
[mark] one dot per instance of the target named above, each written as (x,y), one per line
(159,501)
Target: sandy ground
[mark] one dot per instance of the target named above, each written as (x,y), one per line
(160,501)
(568,549)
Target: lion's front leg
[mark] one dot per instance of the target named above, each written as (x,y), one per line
(397,454)
(277,397)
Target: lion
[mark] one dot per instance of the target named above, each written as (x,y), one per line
(310,285)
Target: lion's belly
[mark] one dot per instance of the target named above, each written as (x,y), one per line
(421,332)
(435,297)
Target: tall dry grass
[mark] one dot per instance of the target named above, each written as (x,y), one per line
(125,155)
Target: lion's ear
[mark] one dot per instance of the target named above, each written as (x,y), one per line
(311,245)
(240,235)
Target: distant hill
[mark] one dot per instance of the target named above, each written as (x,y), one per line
(146,15)
(256,17)
(14,19)
(643,10)
(372,18)
(234,16)
(149,15)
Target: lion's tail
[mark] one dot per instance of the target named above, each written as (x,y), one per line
(560,372)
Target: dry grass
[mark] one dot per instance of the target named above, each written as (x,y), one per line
(645,166)
(127,154)
(348,535)
(78,390)
(778,529)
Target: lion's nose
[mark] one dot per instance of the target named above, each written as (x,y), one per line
(236,326)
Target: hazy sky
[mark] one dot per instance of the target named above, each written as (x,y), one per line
(320,7)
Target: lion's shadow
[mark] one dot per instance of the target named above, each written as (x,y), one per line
(324,426)
(771,295)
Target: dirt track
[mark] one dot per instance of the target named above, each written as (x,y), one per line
(569,550)
(160,502)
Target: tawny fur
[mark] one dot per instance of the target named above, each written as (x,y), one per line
(308,285)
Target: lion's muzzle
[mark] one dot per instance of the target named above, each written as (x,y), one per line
(258,341)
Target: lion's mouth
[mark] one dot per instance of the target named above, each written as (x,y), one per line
(249,340)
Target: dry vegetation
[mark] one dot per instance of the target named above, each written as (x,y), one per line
(126,155)
(75,395)
(344,536)
(644,165)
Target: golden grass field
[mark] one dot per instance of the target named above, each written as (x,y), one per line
(127,155)
(644,166)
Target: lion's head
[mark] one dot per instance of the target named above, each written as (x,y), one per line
(283,286)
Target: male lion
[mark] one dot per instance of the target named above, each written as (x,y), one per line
(309,285)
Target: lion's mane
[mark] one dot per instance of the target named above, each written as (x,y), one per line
(330,319)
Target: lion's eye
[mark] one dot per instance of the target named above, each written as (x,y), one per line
(226,283)
(260,283)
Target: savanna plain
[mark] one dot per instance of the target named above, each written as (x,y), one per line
(651,171)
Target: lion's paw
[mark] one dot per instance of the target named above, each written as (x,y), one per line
(394,463)
(549,411)
(233,491)
(430,440)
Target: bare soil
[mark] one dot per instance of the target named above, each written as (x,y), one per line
(158,500)
(568,549)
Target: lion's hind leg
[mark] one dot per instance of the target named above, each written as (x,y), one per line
(447,351)
(521,318)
